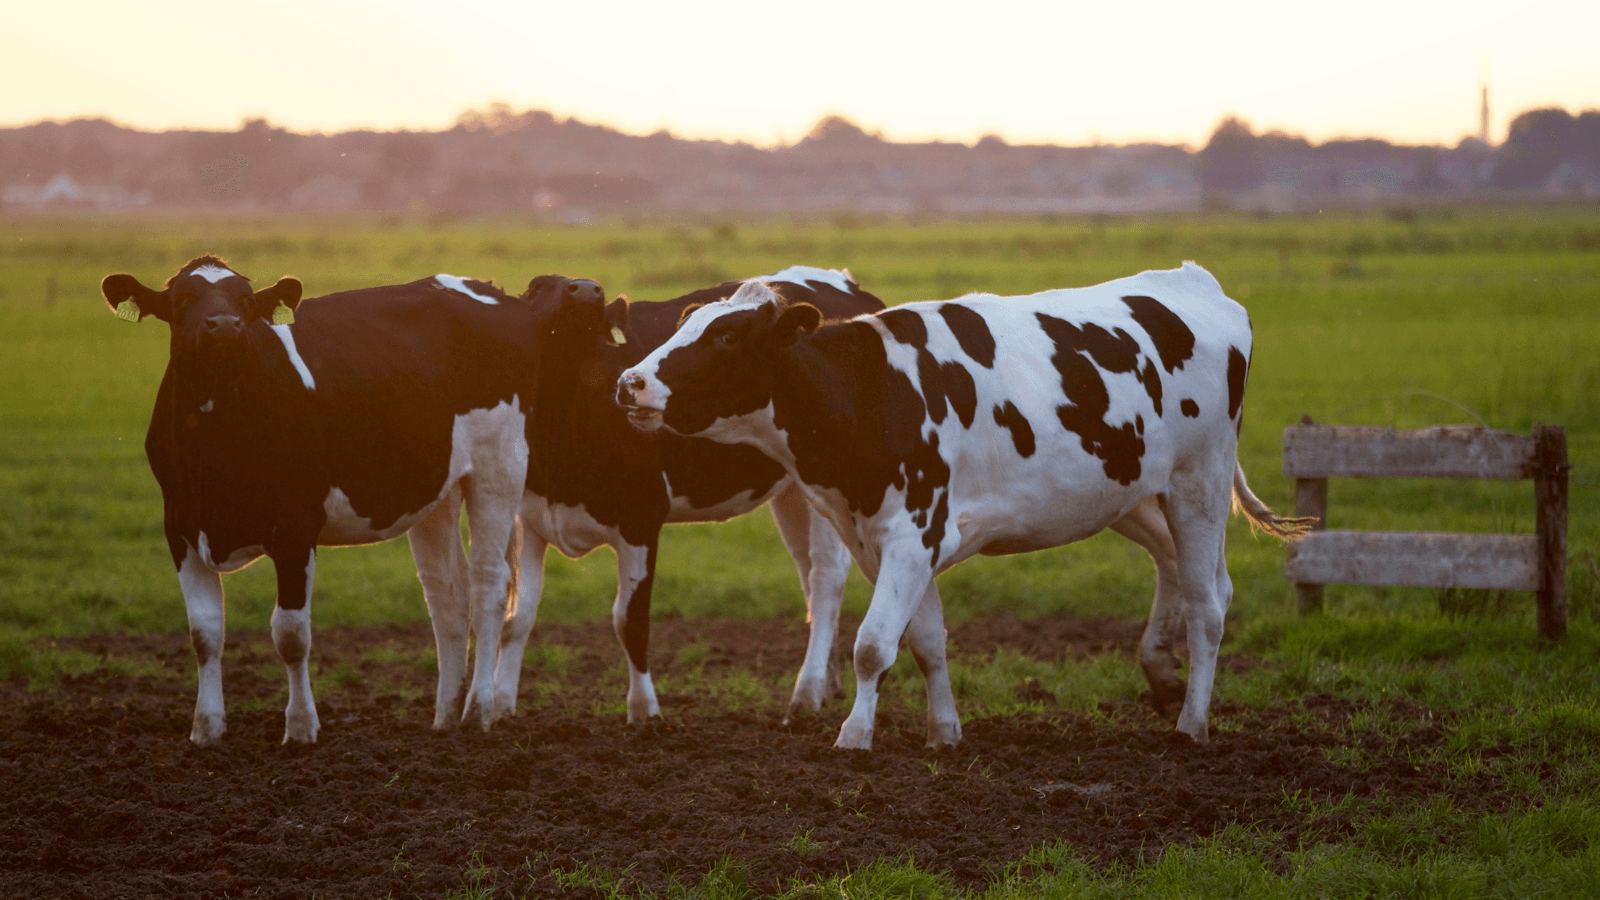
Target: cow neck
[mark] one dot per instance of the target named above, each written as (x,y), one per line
(575,427)
(236,417)
(829,398)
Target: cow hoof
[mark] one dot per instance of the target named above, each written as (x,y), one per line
(853,739)
(1166,700)
(1199,733)
(300,729)
(943,735)
(477,715)
(208,731)
(802,706)
(505,706)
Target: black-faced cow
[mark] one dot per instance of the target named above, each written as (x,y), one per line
(375,413)
(595,480)
(935,431)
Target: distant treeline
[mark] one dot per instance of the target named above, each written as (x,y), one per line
(499,160)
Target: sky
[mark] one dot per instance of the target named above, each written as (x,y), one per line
(766,73)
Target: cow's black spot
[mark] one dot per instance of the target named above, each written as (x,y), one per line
(636,619)
(907,326)
(971,332)
(1173,339)
(1009,417)
(1152,384)
(1190,408)
(1120,447)
(946,383)
(1238,367)
(203,650)
(925,476)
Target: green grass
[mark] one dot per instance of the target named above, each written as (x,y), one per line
(1475,317)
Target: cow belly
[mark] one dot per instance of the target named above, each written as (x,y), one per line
(569,529)
(481,438)
(685,511)
(1024,523)
(235,560)
(345,526)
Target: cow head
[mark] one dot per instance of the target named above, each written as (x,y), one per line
(574,322)
(549,294)
(718,364)
(206,304)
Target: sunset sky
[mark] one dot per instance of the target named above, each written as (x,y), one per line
(1031,72)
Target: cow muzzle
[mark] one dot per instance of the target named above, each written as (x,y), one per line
(632,396)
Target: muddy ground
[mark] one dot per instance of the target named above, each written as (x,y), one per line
(102,796)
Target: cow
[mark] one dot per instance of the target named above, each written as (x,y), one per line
(593,479)
(935,431)
(376,412)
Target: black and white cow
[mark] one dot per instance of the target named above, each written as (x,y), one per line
(935,431)
(593,479)
(377,412)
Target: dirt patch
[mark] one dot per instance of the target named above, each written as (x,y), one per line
(101,795)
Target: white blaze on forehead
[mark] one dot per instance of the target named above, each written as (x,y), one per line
(285,335)
(837,278)
(212,273)
(459,284)
(750,295)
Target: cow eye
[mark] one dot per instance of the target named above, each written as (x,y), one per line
(726,339)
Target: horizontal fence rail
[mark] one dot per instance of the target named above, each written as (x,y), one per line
(1319,451)
(1314,453)
(1497,562)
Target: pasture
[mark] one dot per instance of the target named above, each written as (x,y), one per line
(1405,741)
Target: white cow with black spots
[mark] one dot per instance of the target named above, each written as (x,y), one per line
(935,431)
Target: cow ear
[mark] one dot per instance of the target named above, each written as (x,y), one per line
(285,293)
(133,301)
(616,316)
(801,318)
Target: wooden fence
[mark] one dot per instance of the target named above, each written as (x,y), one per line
(1314,453)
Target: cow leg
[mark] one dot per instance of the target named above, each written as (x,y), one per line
(291,634)
(823,561)
(903,579)
(630,616)
(519,624)
(1196,510)
(202,599)
(1147,527)
(928,641)
(491,520)
(442,569)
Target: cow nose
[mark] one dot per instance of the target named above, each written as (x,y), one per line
(584,289)
(224,326)
(629,385)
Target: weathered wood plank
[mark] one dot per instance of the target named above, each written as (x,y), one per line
(1325,451)
(1508,562)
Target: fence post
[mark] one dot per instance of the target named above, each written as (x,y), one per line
(1550,528)
(1310,499)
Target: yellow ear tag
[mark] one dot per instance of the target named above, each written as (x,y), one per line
(617,337)
(282,315)
(128,311)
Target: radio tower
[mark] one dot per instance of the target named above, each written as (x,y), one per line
(1483,111)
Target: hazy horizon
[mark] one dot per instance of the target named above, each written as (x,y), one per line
(1030,73)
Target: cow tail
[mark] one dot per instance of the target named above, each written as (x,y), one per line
(1285,528)
(513,559)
